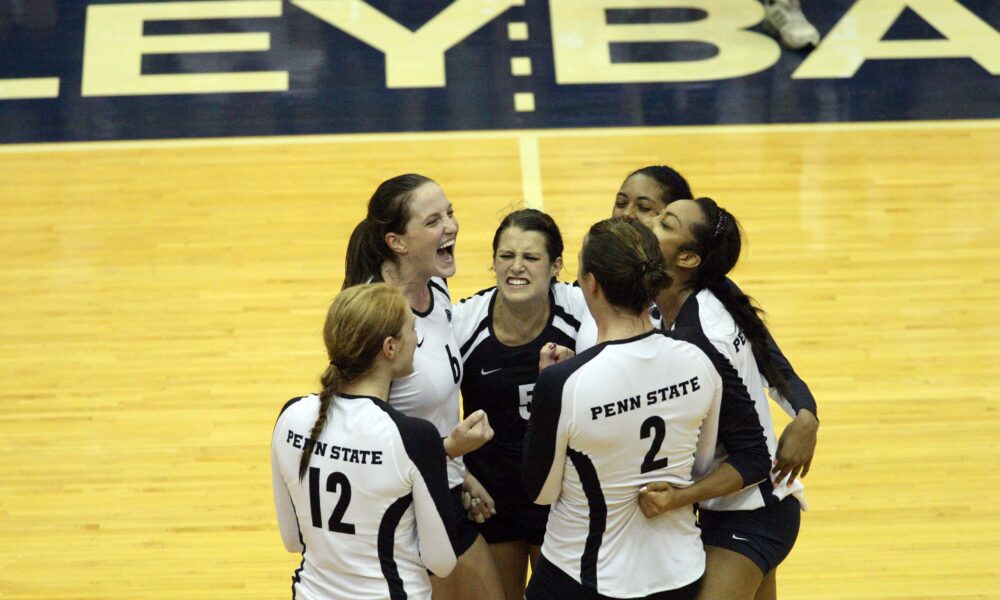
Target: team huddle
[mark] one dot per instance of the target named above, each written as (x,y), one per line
(617,432)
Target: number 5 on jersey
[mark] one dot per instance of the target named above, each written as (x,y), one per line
(524,393)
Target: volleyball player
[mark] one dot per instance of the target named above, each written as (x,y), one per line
(645,193)
(407,240)
(749,533)
(638,407)
(501,331)
(360,489)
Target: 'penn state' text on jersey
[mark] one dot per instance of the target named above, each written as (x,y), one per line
(500,379)
(432,391)
(615,418)
(373,511)
(705,313)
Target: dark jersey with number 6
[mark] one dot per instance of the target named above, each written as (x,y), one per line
(373,511)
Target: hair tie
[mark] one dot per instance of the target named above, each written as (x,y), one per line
(642,268)
(720,225)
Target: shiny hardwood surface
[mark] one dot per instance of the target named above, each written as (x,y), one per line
(160,301)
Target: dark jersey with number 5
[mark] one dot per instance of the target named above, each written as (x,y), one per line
(373,511)
(500,379)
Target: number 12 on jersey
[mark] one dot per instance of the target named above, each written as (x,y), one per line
(336,481)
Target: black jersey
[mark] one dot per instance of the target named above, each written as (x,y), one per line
(500,378)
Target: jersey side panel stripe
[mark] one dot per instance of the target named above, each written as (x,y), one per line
(386,544)
(598,516)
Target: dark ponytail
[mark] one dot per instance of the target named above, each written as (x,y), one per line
(624,257)
(388,212)
(718,242)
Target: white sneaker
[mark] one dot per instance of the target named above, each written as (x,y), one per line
(784,20)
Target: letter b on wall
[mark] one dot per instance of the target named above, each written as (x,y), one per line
(581,37)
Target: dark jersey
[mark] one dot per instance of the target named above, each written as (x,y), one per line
(500,379)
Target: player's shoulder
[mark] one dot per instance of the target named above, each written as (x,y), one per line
(478,302)
(406,425)
(472,316)
(569,303)
(420,438)
(298,406)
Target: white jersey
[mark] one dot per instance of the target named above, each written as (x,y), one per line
(706,313)
(610,420)
(432,391)
(373,511)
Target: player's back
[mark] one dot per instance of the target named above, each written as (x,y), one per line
(355,505)
(630,413)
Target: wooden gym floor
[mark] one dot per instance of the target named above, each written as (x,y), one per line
(161,300)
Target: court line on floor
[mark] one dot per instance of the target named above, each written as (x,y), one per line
(531,172)
(504,134)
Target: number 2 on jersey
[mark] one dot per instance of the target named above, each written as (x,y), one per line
(333,482)
(653,425)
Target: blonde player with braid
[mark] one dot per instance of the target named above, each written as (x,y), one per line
(361,490)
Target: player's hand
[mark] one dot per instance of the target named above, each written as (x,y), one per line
(796,447)
(553,353)
(469,435)
(658,497)
(480,504)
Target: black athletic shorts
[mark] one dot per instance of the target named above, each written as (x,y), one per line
(515,521)
(549,582)
(465,530)
(765,535)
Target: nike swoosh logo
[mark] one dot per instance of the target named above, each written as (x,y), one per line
(485,372)
(420,343)
(740,539)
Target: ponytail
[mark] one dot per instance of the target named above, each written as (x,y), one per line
(388,212)
(365,256)
(654,277)
(718,242)
(331,383)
